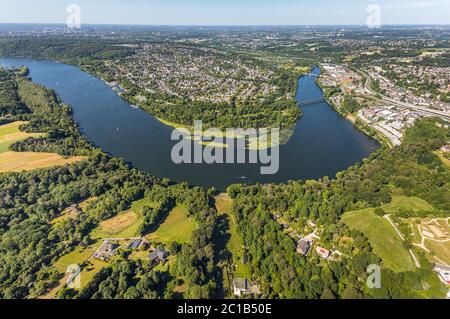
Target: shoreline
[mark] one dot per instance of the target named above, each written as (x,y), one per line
(363,128)
(192,182)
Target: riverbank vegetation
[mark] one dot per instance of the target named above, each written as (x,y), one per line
(53,118)
(24,145)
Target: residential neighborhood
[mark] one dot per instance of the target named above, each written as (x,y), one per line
(196,73)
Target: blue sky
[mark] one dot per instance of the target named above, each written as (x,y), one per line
(227,12)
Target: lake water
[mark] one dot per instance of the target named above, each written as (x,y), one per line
(323,142)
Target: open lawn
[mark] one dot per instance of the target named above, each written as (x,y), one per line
(139,254)
(382,236)
(124,225)
(166,265)
(84,204)
(10,133)
(77,257)
(234,245)
(433,52)
(92,267)
(405,203)
(224,204)
(118,225)
(177,227)
(26,161)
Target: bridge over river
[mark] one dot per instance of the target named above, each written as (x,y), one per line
(312,101)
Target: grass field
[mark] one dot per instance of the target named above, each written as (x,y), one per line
(432,52)
(166,265)
(92,267)
(436,238)
(124,225)
(224,204)
(77,257)
(404,203)
(10,133)
(139,254)
(177,227)
(234,244)
(382,236)
(26,161)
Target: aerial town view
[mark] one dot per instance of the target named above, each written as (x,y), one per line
(244,152)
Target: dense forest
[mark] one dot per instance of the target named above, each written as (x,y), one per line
(71,51)
(10,103)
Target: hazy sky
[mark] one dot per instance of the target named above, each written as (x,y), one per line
(227,12)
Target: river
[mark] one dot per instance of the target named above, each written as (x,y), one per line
(323,143)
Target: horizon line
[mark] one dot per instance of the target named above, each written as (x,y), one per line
(222,25)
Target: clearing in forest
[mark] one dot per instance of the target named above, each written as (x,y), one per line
(382,236)
(177,227)
(234,244)
(27,161)
(11,133)
(124,225)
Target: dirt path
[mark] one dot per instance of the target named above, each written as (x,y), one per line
(387,217)
(414,257)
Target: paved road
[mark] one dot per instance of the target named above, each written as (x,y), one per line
(385,98)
